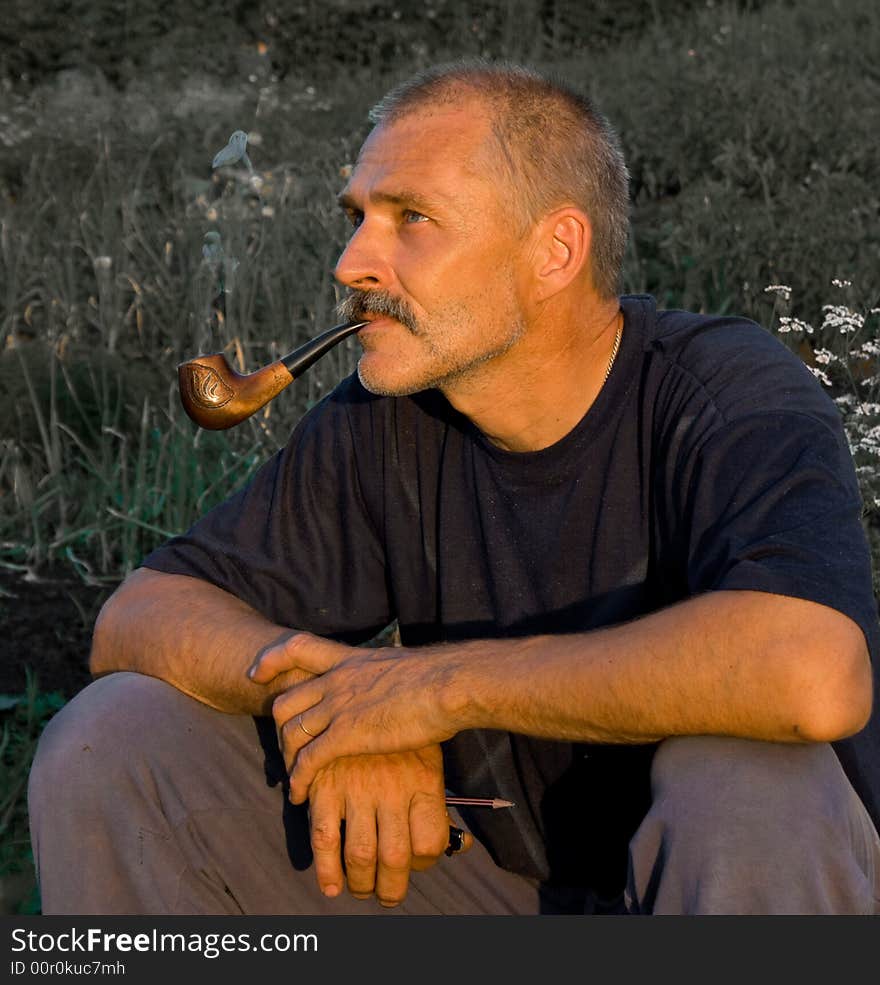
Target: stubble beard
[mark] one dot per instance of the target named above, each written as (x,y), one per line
(446,368)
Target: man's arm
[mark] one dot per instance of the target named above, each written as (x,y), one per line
(740,663)
(201,640)
(191,634)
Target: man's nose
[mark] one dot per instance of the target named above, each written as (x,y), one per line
(364,264)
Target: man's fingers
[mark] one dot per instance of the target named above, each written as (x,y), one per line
(300,699)
(312,757)
(429,829)
(296,729)
(326,835)
(360,851)
(303,651)
(270,661)
(395,855)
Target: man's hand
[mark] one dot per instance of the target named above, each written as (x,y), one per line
(363,700)
(395,821)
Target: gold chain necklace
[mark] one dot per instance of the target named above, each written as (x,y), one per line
(614,349)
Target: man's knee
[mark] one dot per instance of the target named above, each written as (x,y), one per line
(741,826)
(727,777)
(95,739)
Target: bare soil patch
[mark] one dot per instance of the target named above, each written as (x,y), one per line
(47,626)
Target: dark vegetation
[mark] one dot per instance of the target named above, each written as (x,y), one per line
(750,129)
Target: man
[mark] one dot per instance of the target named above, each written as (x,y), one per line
(622,546)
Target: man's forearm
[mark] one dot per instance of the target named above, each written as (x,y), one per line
(191,634)
(743,664)
(747,664)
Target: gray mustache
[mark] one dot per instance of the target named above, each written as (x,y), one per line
(359,303)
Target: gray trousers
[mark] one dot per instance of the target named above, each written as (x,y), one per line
(144,801)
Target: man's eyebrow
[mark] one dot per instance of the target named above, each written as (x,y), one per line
(406,197)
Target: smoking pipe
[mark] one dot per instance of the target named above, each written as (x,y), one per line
(216,397)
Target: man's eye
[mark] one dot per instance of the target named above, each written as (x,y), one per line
(411,216)
(354,216)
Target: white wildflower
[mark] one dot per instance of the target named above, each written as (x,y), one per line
(787,324)
(819,374)
(825,357)
(783,290)
(840,317)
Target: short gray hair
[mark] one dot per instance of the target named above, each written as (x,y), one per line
(557,148)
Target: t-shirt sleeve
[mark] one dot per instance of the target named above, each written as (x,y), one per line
(774,506)
(297,543)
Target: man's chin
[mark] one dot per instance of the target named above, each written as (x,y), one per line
(387,383)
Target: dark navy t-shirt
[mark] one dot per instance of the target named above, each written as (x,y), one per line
(711,459)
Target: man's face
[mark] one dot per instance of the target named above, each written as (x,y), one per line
(435,248)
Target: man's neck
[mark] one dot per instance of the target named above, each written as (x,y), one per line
(539,390)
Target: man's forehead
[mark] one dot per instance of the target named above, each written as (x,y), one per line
(470,120)
(442,146)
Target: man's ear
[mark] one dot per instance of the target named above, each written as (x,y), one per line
(562,250)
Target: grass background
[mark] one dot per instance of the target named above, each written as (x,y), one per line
(750,129)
